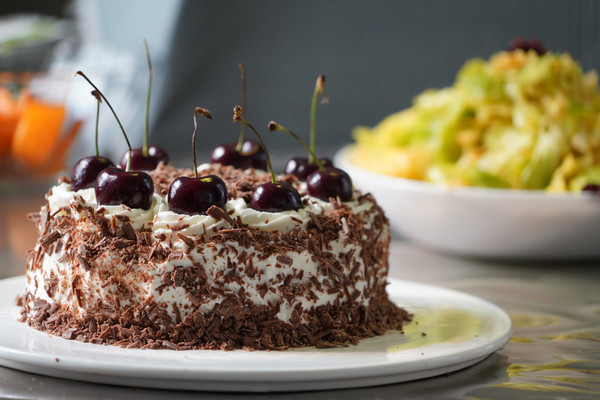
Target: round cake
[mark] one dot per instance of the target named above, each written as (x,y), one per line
(233,278)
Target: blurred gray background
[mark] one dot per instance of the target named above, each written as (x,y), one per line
(376,55)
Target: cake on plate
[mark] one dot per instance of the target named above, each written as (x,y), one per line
(232,278)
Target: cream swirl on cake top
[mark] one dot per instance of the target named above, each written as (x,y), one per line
(161,220)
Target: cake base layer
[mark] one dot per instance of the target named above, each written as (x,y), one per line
(230,327)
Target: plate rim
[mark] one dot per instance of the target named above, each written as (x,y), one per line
(202,378)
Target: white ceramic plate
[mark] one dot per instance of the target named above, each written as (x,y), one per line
(482,222)
(460,329)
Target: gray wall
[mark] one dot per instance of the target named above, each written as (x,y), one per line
(377,55)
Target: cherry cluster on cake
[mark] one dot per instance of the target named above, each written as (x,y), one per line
(113,185)
(323,180)
(148,156)
(131,186)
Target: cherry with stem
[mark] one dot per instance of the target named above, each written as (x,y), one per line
(326,181)
(148,156)
(319,88)
(196,195)
(301,167)
(242,136)
(115,186)
(244,153)
(271,196)
(86,170)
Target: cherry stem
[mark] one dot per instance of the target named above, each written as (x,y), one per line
(319,88)
(206,114)
(128,167)
(97,96)
(240,142)
(146,124)
(238,117)
(274,126)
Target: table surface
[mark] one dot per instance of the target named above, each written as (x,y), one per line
(554,307)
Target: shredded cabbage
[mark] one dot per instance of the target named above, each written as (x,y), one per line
(518,120)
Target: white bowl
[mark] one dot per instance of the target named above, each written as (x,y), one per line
(482,222)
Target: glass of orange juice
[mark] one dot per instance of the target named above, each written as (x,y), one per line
(45,130)
(10,89)
(37,126)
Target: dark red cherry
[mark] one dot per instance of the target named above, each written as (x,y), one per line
(532,44)
(133,189)
(332,182)
(141,162)
(274,197)
(301,168)
(196,195)
(592,188)
(86,170)
(251,156)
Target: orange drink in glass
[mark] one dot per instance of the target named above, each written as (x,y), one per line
(36,128)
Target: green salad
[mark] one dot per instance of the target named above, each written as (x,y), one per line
(518,120)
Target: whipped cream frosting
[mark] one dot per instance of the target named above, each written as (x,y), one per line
(269,272)
(161,219)
(166,224)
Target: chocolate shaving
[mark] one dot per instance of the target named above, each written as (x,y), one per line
(69,333)
(169,345)
(177,313)
(65,224)
(180,227)
(218,214)
(284,259)
(315,221)
(39,304)
(128,231)
(144,238)
(176,256)
(48,239)
(83,262)
(187,240)
(193,299)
